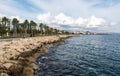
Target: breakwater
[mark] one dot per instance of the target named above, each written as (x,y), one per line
(17,57)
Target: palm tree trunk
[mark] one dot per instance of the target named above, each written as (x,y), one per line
(15,30)
(25,32)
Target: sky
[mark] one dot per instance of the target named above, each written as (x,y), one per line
(72,15)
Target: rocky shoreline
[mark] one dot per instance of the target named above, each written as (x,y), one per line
(17,57)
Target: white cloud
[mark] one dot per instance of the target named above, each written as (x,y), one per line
(78,12)
(95,22)
(44,17)
(63,21)
(2,15)
(113,23)
(81,21)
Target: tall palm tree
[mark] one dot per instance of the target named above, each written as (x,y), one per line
(15,23)
(62,31)
(8,27)
(32,27)
(51,31)
(44,27)
(4,23)
(56,31)
(25,26)
(41,28)
(47,30)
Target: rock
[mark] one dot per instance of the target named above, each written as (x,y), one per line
(7,65)
(4,74)
(3,69)
(11,54)
(33,66)
(28,71)
(16,68)
(31,59)
(18,53)
(20,58)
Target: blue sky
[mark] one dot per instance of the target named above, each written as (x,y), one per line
(74,15)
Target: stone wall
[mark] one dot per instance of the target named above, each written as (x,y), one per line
(18,56)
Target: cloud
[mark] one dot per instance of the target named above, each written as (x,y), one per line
(95,22)
(44,17)
(63,21)
(113,23)
(75,13)
(2,15)
(82,8)
(81,21)
(106,3)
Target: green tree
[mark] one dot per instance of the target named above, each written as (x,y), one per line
(51,31)
(56,31)
(15,22)
(32,27)
(2,30)
(4,23)
(46,29)
(25,26)
(41,28)
(62,31)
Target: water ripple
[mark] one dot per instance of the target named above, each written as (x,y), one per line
(90,55)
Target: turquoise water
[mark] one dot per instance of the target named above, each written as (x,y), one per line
(88,55)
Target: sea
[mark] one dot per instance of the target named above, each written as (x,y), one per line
(83,55)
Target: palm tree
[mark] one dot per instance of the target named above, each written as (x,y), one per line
(2,30)
(51,31)
(63,31)
(4,23)
(25,26)
(56,31)
(41,28)
(8,27)
(32,27)
(46,28)
(15,23)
